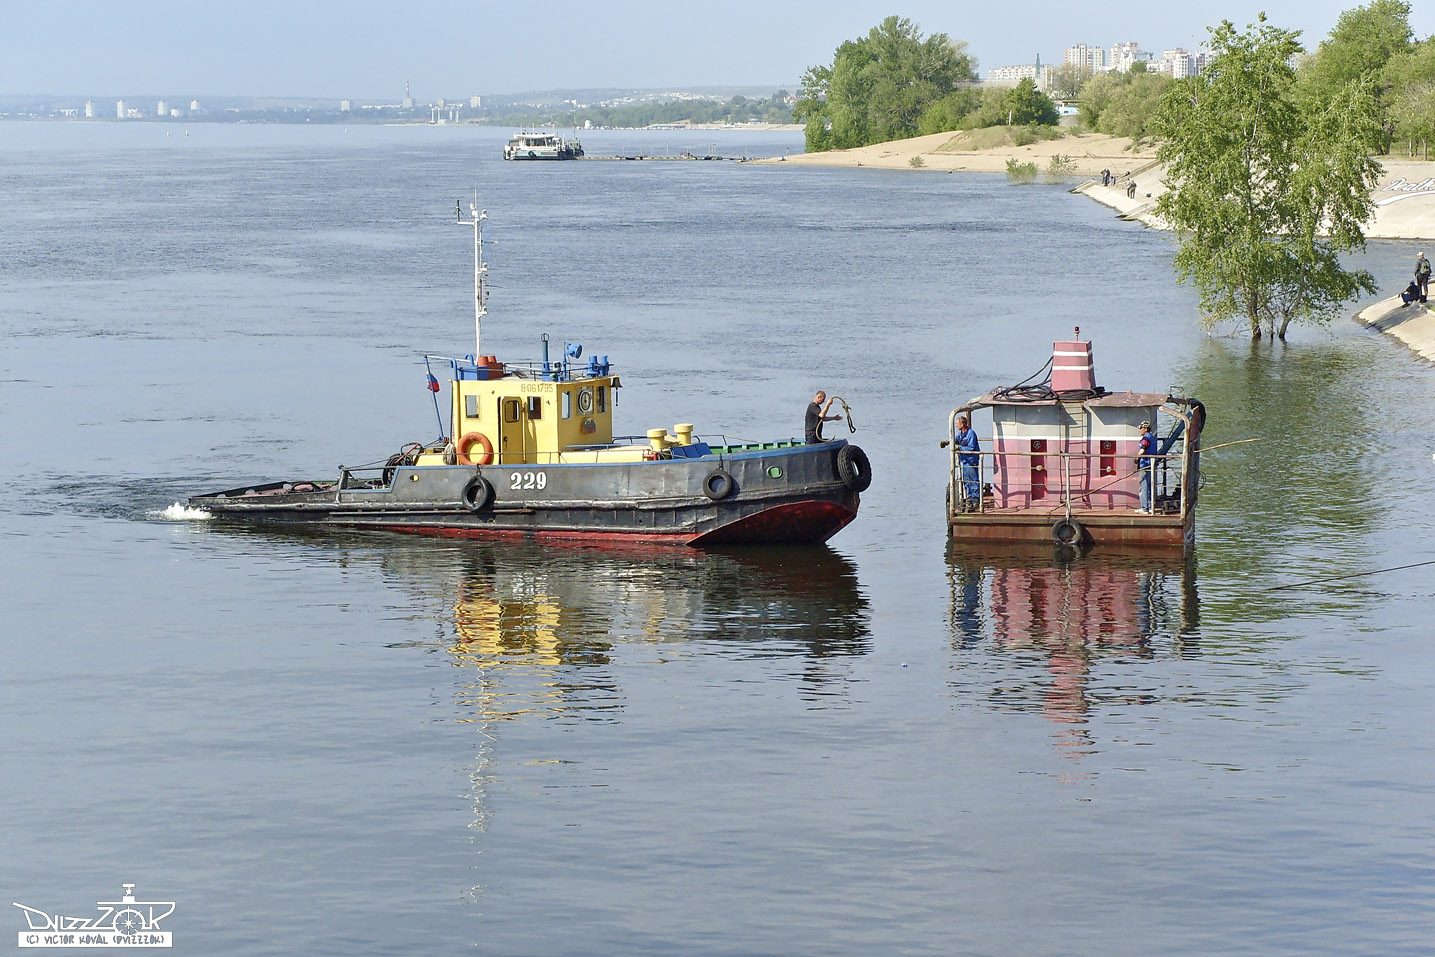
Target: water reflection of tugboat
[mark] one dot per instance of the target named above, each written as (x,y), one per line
(531,451)
(1055,616)
(1065,462)
(542,626)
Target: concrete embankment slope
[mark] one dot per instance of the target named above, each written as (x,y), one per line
(1404,199)
(1413,325)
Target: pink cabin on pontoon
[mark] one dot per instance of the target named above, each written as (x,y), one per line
(1060,462)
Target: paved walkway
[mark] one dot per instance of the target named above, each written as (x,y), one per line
(1404,199)
(1413,325)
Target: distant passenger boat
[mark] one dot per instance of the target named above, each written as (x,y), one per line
(1063,462)
(541,146)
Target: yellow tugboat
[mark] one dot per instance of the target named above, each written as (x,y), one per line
(530,451)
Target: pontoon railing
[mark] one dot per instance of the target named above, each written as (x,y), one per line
(1080,482)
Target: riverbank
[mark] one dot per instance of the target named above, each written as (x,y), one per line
(1413,325)
(1404,199)
(1084,154)
(1404,192)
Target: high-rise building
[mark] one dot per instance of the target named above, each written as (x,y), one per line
(408,100)
(119,109)
(1012,75)
(1123,55)
(89,109)
(194,106)
(475,102)
(1092,58)
(1179,63)
(161,109)
(344,106)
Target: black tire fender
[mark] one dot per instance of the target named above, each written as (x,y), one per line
(1070,532)
(853,468)
(718,485)
(477,495)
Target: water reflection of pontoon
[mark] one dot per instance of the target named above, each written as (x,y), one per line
(1056,618)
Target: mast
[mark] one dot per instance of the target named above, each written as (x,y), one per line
(476,219)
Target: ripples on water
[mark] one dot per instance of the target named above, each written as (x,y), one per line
(889,744)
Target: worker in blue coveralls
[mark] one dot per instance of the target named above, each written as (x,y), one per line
(968,445)
(1144,462)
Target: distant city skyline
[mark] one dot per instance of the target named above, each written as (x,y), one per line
(451,48)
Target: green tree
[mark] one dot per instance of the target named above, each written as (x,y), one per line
(1409,80)
(1068,80)
(1026,104)
(1361,44)
(1265,194)
(1123,104)
(949,112)
(879,86)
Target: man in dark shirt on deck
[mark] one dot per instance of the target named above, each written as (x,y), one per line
(816,415)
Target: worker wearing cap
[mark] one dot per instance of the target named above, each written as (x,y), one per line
(1422,275)
(1144,462)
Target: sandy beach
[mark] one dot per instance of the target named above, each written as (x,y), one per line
(1088,154)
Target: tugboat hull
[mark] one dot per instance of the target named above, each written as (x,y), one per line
(795,495)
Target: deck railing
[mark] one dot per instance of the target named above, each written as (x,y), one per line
(1079,480)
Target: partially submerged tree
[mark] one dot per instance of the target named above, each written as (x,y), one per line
(878,87)
(1265,194)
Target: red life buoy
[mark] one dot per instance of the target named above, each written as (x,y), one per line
(466,442)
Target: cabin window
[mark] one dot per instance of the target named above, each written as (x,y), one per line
(510,410)
(470,406)
(535,407)
(567,405)
(602,399)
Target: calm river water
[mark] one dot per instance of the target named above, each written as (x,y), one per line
(377,745)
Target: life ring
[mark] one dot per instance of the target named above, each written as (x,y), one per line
(718,485)
(466,441)
(1069,532)
(853,468)
(477,495)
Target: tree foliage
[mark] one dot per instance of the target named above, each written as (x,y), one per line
(1020,105)
(1068,79)
(949,112)
(879,87)
(1361,44)
(1266,189)
(1026,104)
(1410,88)
(1123,104)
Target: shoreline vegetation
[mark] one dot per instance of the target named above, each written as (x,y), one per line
(1262,156)
(1082,156)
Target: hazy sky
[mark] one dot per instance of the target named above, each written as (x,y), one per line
(450,48)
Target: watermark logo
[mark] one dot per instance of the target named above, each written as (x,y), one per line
(1404,189)
(126,922)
